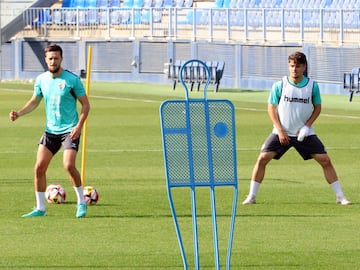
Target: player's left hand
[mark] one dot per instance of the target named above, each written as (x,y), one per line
(75,133)
(303,132)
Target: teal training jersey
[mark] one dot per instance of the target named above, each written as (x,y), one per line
(60,96)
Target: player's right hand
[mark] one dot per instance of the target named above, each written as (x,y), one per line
(284,138)
(13,115)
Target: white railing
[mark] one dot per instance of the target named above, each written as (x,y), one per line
(272,25)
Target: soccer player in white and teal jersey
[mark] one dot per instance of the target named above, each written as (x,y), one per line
(293,106)
(60,89)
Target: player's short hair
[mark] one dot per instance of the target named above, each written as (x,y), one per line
(54,48)
(298,58)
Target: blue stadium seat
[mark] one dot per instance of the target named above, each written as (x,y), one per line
(66,3)
(92,13)
(43,17)
(102,3)
(137,12)
(147,3)
(226,4)
(219,3)
(277,3)
(328,3)
(169,3)
(138,3)
(90,3)
(114,3)
(158,3)
(188,3)
(78,3)
(179,3)
(115,16)
(128,3)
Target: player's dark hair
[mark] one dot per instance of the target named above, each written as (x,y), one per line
(53,48)
(298,58)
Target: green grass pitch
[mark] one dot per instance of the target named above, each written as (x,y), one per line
(295,225)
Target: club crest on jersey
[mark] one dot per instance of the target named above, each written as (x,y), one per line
(61,85)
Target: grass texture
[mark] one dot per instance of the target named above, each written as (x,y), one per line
(295,224)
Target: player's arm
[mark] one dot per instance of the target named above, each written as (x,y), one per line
(28,107)
(283,136)
(273,102)
(315,114)
(316,98)
(85,108)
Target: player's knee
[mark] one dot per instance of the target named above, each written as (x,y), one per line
(69,167)
(263,159)
(324,161)
(40,168)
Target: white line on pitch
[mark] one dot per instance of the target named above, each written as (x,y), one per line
(236,108)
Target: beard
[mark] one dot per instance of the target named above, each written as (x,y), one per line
(54,70)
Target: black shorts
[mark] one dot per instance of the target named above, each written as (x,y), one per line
(53,142)
(309,146)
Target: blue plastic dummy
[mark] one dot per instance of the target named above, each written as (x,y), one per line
(198,137)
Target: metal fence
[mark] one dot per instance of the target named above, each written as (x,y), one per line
(246,25)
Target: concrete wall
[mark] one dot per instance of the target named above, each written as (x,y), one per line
(247,67)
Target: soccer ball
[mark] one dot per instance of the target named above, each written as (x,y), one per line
(55,193)
(91,196)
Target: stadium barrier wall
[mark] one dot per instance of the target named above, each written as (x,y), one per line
(146,61)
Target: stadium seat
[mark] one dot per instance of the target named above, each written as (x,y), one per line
(328,3)
(80,5)
(188,3)
(179,3)
(57,16)
(219,3)
(115,14)
(66,3)
(128,3)
(169,3)
(114,3)
(43,17)
(125,16)
(145,16)
(147,3)
(276,3)
(254,3)
(226,4)
(158,3)
(138,3)
(102,5)
(92,12)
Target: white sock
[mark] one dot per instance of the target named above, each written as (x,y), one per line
(79,195)
(40,200)
(254,187)
(336,187)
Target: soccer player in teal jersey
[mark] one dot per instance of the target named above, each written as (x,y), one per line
(293,106)
(60,90)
